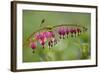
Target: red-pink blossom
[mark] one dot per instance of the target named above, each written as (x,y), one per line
(33,45)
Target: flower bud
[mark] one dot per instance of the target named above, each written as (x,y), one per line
(33,45)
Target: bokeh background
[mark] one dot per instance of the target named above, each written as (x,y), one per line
(76,48)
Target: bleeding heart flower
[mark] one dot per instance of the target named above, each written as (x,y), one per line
(62,32)
(48,34)
(41,38)
(78,30)
(72,31)
(33,45)
(52,42)
(67,31)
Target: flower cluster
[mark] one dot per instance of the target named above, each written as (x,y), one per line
(73,31)
(42,38)
(48,37)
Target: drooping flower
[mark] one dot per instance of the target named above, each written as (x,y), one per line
(33,45)
(78,31)
(67,32)
(48,34)
(72,31)
(52,34)
(52,42)
(62,32)
(42,43)
(41,38)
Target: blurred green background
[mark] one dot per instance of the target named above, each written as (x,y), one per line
(76,48)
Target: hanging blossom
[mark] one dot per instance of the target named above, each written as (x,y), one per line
(48,35)
(62,32)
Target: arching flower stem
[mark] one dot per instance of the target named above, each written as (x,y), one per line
(46,34)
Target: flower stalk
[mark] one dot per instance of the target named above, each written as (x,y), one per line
(48,35)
